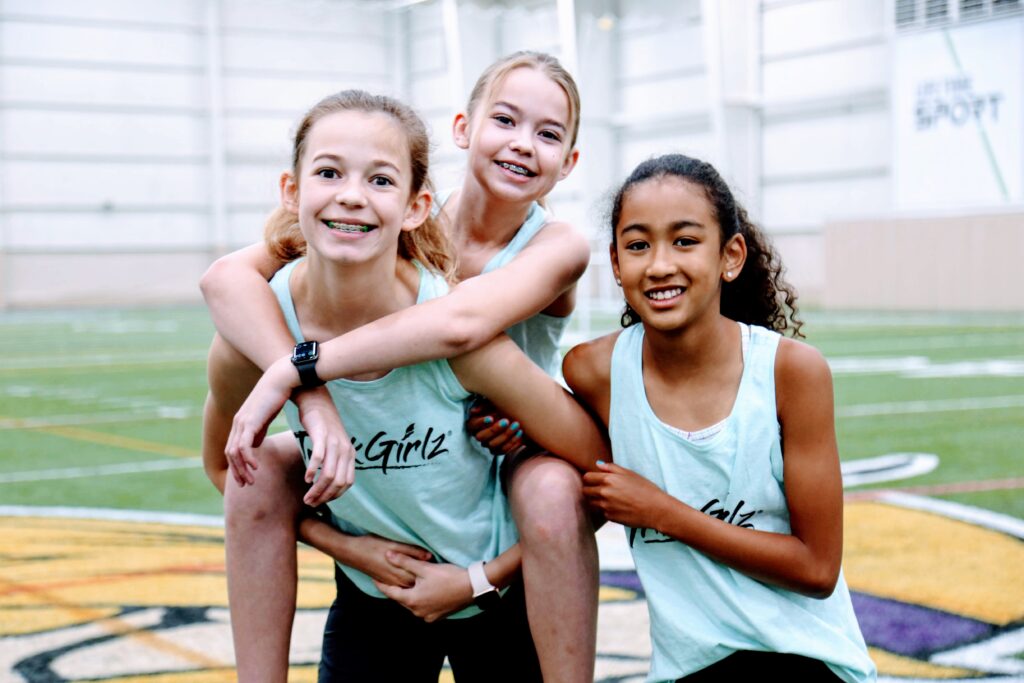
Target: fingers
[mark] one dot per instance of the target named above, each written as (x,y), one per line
(413,551)
(337,474)
(394,592)
(406,562)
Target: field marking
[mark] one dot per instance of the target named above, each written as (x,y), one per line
(927,342)
(103,360)
(922,367)
(935,406)
(101,470)
(965,513)
(112,515)
(74,420)
(114,626)
(942,489)
(117,441)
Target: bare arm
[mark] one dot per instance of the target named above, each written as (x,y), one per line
(244,308)
(807,560)
(469,316)
(547,412)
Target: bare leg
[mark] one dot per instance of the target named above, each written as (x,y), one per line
(560,566)
(260,531)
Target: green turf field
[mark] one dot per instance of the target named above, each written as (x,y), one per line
(101,408)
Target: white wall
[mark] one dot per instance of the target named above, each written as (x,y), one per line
(155,131)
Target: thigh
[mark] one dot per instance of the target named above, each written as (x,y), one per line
(374,639)
(495,645)
(758,665)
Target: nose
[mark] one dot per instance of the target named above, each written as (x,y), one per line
(351,192)
(661,264)
(522,141)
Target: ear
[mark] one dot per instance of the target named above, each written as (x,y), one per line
(460,130)
(289,192)
(614,256)
(417,211)
(734,255)
(570,163)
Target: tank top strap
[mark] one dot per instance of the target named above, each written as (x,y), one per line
(282,289)
(536,218)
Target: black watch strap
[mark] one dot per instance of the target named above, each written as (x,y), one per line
(304,358)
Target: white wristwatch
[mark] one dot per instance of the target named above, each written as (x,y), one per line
(485,594)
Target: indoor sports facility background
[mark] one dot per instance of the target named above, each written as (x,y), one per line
(880,143)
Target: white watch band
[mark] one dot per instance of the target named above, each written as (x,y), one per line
(478,579)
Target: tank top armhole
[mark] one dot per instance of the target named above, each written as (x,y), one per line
(280,284)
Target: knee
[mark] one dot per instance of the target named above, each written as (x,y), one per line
(547,501)
(270,502)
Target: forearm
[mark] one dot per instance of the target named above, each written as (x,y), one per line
(328,539)
(503,570)
(779,559)
(243,307)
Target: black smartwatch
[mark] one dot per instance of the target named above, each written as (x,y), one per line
(304,358)
(485,595)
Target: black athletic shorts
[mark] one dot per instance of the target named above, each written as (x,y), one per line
(755,666)
(373,639)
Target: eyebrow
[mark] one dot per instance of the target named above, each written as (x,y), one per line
(516,110)
(376,163)
(678,225)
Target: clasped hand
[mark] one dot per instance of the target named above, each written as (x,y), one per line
(331,451)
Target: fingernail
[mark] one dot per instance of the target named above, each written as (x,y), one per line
(503,423)
(488,420)
(515,425)
(519,433)
(600,462)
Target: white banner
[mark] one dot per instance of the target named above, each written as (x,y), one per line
(959,119)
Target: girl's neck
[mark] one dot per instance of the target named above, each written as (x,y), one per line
(702,347)
(481,218)
(332,299)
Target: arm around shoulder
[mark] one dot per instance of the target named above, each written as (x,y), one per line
(243,307)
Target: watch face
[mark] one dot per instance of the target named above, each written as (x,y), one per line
(305,352)
(488,601)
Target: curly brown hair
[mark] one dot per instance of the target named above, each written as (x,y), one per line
(759,295)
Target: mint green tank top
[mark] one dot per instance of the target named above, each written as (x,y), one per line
(538,336)
(419,480)
(702,610)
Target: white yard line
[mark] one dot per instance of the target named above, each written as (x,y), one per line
(935,406)
(103,360)
(101,470)
(111,515)
(161,413)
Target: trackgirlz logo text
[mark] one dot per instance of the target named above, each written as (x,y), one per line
(383,452)
(714,508)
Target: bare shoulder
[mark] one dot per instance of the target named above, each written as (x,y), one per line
(802,376)
(587,369)
(572,243)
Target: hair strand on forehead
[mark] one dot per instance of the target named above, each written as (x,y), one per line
(428,244)
(541,61)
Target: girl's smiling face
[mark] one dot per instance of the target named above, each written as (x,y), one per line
(353,190)
(668,255)
(519,138)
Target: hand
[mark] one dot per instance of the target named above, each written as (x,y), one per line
(439,590)
(249,426)
(623,496)
(370,555)
(495,432)
(332,452)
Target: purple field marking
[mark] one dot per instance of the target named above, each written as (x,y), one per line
(913,630)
